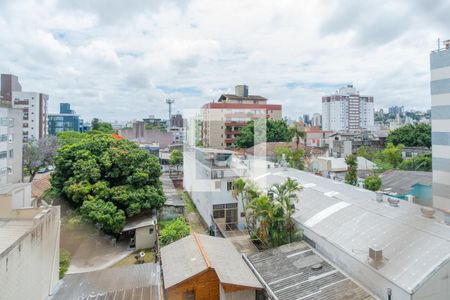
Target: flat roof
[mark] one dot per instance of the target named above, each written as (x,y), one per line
(136,282)
(350,219)
(172,196)
(11,230)
(288,273)
(139,222)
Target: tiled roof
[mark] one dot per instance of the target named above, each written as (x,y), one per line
(40,184)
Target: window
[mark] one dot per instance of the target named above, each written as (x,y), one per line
(3,138)
(229,185)
(189,295)
(11,138)
(3,154)
(11,153)
(11,122)
(10,170)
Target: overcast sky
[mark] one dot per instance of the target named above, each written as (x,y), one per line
(119,60)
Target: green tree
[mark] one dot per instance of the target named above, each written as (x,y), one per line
(411,136)
(294,157)
(419,163)
(391,155)
(366,152)
(69,137)
(108,179)
(272,130)
(352,169)
(104,127)
(297,134)
(173,230)
(176,158)
(38,154)
(372,183)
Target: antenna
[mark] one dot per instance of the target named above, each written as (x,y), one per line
(170,102)
(439,44)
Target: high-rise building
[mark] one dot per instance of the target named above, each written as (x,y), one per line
(66,120)
(9,84)
(396,110)
(306,119)
(10,145)
(223,120)
(316,120)
(347,110)
(440,116)
(34,107)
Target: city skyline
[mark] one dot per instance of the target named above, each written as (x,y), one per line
(106,61)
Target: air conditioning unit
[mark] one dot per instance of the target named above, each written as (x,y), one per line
(376,254)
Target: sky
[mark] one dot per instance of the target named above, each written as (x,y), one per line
(120,60)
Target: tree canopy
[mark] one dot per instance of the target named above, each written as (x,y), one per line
(273,131)
(294,157)
(411,136)
(100,126)
(372,183)
(108,179)
(38,154)
(352,169)
(176,158)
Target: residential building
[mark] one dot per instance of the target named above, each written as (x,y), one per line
(297,271)
(203,267)
(332,167)
(223,120)
(9,84)
(155,122)
(396,110)
(342,144)
(316,120)
(388,246)
(208,178)
(440,112)
(176,120)
(306,119)
(34,107)
(315,137)
(135,282)
(140,135)
(140,231)
(10,145)
(347,110)
(65,120)
(29,245)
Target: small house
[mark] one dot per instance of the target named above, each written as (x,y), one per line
(141,232)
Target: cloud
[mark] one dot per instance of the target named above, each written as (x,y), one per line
(120,61)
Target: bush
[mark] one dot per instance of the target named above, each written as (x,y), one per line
(174,230)
(64,262)
(372,183)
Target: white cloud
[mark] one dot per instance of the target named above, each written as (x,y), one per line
(118,60)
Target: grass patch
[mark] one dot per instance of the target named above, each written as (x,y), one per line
(130,260)
(190,206)
(64,262)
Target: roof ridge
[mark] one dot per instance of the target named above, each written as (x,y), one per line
(202,250)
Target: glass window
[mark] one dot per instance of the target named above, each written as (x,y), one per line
(11,153)
(3,154)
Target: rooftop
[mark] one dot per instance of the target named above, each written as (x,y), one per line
(12,230)
(346,216)
(194,254)
(137,282)
(288,273)
(139,222)
(401,181)
(235,97)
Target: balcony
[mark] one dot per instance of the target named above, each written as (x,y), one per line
(234,123)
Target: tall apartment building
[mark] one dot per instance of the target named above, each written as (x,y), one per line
(66,120)
(347,110)
(9,84)
(223,120)
(440,122)
(34,107)
(316,120)
(10,145)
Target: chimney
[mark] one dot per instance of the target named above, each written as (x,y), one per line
(241,90)
(376,254)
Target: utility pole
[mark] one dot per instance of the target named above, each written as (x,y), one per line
(170,102)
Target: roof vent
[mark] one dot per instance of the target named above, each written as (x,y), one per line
(376,254)
(379,197)
(316,267)
(427,212)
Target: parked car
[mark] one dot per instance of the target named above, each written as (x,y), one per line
(42,170)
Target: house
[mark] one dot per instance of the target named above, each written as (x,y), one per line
(136,282)
(392,249)
(297,271)
(331,166)
(203,267)
(141,231)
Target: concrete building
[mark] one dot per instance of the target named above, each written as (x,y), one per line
(140,135)
(223,120)
(388,246)
(34,107)
(347,110)
(208,178)
(29,246)
(141,232)
(396,110)
(10,145)
(203,267)
(65,120)
(9,84)
(316,120)
(440,115)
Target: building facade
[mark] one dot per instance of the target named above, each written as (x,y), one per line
(34,107)
(9,84)
(347,110)
(440,116)
(66,120)
(316,120)
(10,145)
(223,120)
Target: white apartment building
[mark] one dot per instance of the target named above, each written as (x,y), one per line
(10,145)
(208,178)
(347,110)
(440,123)
(34,107)
(316,120)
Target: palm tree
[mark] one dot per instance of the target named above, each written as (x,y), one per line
(239,193)
(297,134)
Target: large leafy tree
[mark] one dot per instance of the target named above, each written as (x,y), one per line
(259,131)
(352,169)
(100,126)
(391,155)
(108,179)
(176,158)
(372,183)
(295,157)
(411,136)
(38,154)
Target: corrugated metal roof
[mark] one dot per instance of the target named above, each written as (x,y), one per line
(137,282)
(287,271)
(415,246)
(401,182)
(183,259)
